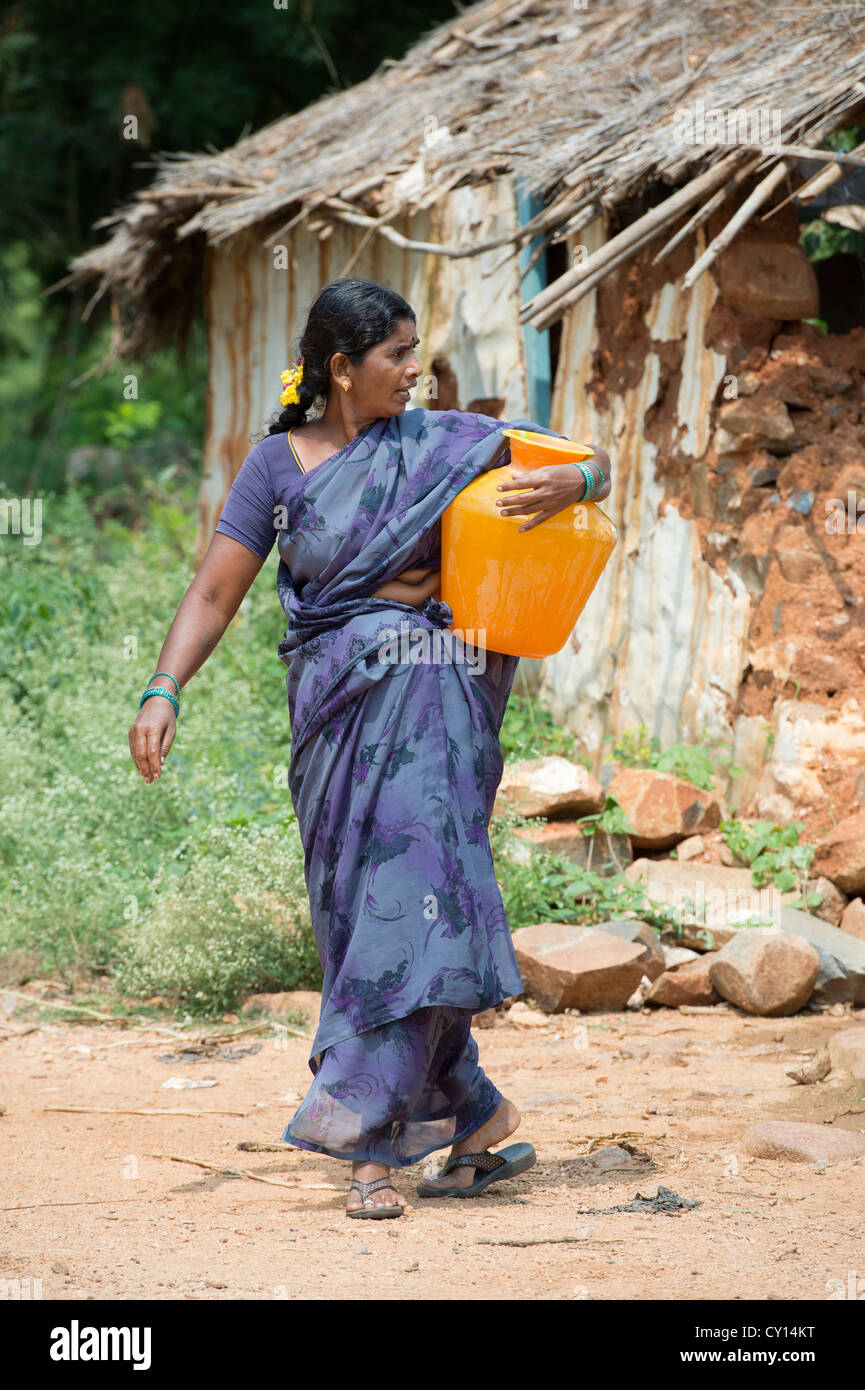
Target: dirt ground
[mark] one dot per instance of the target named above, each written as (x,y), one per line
(92,1213)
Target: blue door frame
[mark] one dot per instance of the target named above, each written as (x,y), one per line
(536,344)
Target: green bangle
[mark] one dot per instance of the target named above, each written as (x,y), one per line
(160,690)
(589,479)
(590,463)
(170,677)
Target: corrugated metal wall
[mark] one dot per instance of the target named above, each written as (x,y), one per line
(661,640)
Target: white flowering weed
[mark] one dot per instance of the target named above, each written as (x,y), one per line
(85,843)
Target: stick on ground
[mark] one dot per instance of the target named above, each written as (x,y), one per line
(121,1110)
(252,1177)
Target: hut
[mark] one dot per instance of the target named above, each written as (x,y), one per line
(595,210)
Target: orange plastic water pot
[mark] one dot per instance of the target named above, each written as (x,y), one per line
(522,592)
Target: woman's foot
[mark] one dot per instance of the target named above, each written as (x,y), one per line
(502,1124)
(382,1197)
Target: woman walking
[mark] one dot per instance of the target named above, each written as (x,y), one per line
(394,763)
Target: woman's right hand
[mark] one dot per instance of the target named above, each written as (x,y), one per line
(152,735)
(413,587)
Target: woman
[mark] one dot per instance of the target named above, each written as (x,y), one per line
(394,763)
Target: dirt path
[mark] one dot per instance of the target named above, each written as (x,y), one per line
(681,1088)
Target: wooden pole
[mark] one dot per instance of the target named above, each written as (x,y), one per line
(705,212)
(765,188)
(636,234)
(856,161)
(555,311)
(818,183)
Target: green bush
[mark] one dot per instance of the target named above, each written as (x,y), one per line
(82,836)
(234,921)
(550,888)
(53,400)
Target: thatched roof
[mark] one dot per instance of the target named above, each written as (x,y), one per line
(580,104)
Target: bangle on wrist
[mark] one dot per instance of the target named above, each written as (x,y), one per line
(589,480)
(160,690)
(590,463)
(170,677)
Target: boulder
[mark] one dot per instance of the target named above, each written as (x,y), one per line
(550,786)
(571,967)
(768,279)
(853,919)
(688,983)
(662,809)
(678,955)
(765,971)
(802,1143)
(831,909)
(753,423)
(840,855)
(709,899)
(842,957)
(304,1002)
(632,929)
(691,848)
(847,1052)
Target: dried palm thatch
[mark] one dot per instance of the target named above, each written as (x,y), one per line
(581,105)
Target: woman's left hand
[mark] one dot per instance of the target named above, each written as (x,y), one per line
(550,490)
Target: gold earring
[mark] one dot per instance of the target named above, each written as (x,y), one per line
(345,385)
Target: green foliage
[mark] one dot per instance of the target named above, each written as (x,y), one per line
(845,140)
(821,239)
(83,840)
(611,819)
(773,852)
(40,586)
(229,917)
(131,422)
(544,887)
(634,748)
(193,76)
(43,416)
(695,764)
(529,731)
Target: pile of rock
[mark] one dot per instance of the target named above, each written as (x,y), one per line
(729,941)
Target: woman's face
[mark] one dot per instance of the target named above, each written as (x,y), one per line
(381,384)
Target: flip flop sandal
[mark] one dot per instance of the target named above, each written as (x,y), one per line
(507,1163)
(372,1213)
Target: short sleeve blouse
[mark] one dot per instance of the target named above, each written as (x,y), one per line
(249,513)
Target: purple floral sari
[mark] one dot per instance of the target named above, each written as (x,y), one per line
(393,774)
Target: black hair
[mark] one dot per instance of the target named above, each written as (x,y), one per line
(349,316)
